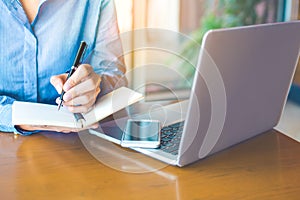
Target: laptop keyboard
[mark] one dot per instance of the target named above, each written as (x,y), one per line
(170,138)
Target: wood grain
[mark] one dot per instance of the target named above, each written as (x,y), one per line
(58,166)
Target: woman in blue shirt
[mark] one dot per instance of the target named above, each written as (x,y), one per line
(39,40)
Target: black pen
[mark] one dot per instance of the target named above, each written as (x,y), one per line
(77,60)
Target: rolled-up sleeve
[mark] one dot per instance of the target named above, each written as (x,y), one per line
(5,113)
(6,117)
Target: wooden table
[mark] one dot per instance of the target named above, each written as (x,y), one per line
(58,166)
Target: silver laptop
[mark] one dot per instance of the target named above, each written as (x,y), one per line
(240,87)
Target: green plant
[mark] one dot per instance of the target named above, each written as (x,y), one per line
(226,13)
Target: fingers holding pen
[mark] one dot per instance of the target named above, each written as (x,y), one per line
(81,103)
(58,81)
(81,89)
(81,74)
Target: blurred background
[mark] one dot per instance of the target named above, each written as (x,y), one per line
(162,38)
(160,59)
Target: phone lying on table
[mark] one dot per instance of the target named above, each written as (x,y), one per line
(141,133)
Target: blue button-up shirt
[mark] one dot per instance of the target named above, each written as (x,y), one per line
(30,53)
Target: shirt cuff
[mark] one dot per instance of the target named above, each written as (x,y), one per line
(20,131)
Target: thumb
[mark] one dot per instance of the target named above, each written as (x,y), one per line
(58,81)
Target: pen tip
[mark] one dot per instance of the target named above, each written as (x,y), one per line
(59,105)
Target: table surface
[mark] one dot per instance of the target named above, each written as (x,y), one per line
(59,166)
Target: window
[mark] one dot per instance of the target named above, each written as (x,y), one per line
(184,22)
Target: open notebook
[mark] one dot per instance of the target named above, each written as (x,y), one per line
(27,113)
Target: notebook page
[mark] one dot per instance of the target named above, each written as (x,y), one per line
(27,113)
(111,103)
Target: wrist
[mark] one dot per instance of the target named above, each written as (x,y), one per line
(22,130)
